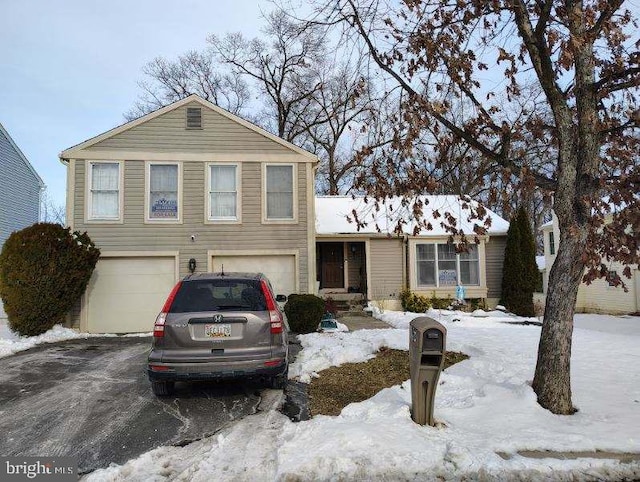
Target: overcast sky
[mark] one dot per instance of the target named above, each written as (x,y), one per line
(69,69)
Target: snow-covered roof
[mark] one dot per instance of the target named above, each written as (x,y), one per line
(540,261)
(332,212)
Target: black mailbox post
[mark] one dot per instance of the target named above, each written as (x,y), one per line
(427,346)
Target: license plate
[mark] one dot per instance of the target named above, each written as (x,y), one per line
(217,331)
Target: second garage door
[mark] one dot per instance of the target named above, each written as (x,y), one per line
(126,294)
(280,269)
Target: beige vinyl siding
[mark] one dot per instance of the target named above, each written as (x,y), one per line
(251,235)
(599,297)
(355,265)
(386,268)
(494,253)
(168,133)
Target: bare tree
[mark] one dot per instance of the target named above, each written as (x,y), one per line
(282,67)
(50,211)
(192,73)
(584,57)
(334,120)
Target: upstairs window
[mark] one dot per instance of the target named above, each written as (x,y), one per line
(279,192)
(104,191)
(223,192)
(163,192)
(552,243)
(194,118)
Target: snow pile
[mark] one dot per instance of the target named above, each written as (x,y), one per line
(11,342)
(324,350)
(485,407)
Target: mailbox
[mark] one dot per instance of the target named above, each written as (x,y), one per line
(427,345)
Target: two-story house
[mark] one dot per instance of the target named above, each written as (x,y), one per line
(187,188)
(21,187)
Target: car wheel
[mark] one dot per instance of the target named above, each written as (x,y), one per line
(279,381)
(162,389)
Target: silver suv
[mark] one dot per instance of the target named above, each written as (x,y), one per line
(221,325)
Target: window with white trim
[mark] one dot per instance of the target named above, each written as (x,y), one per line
(552,243)
(439,265)
(163,192)
(279,192)
(104,191)
(426,260)
(223,192)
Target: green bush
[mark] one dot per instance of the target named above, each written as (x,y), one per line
(440,303)
(413,302)
(304,312)
(44,269)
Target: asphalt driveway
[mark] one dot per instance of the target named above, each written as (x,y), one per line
(91,399)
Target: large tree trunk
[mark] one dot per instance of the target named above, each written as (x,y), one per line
(552,380)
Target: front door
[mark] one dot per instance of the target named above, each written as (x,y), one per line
(332,265)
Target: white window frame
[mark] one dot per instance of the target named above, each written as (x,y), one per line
(147,194)
(89,194)
(436,266)
(237,219)
(294,193)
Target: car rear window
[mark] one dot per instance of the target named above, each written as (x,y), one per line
(219,295)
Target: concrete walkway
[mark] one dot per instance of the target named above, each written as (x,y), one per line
(361,322)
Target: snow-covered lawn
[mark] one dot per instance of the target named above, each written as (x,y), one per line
(11,342)
(484,405)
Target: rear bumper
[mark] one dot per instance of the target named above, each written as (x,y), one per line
(213,371)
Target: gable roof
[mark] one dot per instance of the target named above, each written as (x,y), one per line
(331,213)
(69,153)
(22,156)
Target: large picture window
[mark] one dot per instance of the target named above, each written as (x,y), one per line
(279,191)
(223,192)
(439,265)
(163,192)
(104,191)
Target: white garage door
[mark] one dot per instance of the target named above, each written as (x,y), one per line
(280,269)
(126,294)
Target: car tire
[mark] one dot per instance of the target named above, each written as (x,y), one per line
(279,381)
(162,389)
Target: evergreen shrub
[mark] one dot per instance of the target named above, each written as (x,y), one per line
(304,312)
(44,270)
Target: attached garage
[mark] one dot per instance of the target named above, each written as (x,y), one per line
(126,293)
(280,267)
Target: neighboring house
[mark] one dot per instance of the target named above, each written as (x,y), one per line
(20,186)
(376,263)
(187,187)
(599,296)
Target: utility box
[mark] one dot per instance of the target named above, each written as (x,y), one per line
(427,346)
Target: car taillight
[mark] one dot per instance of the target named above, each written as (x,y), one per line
(275,317)
(158,327)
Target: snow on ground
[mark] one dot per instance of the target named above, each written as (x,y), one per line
(11,342)
(484,405)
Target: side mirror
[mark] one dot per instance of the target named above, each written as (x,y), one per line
(281,298)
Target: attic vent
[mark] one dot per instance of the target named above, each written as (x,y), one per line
(194,118)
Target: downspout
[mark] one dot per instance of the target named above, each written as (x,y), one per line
(405,264)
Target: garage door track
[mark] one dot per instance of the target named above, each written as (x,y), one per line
(91,399)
